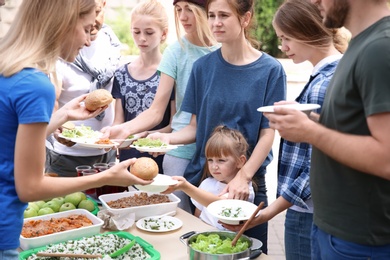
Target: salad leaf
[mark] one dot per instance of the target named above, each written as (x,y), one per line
(147,142)
(81,131)
(215,244)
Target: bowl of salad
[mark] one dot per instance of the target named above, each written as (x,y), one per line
(230,211)
(218,245)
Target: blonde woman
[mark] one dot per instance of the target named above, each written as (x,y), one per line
(43,32)
(175,68)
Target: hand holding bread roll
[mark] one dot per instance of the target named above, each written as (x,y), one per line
(144,168)
(97,99)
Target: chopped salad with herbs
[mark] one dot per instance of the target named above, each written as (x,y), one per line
(232,212)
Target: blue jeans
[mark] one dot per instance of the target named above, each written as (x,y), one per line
(326,246)
(260,232)
(11,254)
(297,230)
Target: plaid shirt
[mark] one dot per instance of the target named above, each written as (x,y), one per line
(294,158)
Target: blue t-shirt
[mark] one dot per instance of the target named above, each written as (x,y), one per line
(26,97)
(222,93)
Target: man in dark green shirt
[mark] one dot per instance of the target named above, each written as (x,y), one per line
(350,167)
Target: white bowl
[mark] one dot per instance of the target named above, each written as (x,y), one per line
(140,211)
(28,243)
(235,210)
(306,108)
(160,183)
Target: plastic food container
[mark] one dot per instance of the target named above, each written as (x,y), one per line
(27,243)
(140,211)
(154,254)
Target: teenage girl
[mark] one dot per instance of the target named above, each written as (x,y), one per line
(135,83)
(226,153)
(227,86)
(175,69)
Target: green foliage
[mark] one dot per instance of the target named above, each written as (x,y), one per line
(264,12)
(121,26)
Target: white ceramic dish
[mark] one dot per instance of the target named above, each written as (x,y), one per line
(302,107)
(162,149)
(140,211)
(28,243)
(126,143)
(160,183)
(96,146)
(155,224)
(235,210)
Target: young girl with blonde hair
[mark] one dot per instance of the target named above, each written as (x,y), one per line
(135,83)
(175,68)
(226,153)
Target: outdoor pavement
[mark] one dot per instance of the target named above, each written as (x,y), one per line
(297,76)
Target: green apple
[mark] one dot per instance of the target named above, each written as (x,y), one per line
(40,203)
(83,196)
(86,204)
(33,205)
(60,200)
(54,205)
(30,212)
(45,211)
(67,206)
(73,198)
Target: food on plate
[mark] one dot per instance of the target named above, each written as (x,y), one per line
(97,99)
(232,212)
(37,228)
(140,199)
(157,224)
(103,141)
(104,244)
(147,142)
(81,132)
(215,244)
(130,137)
(144,168)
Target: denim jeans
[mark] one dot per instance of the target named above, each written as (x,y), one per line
(260,232)
(328,247)
(11,254)
(297,231)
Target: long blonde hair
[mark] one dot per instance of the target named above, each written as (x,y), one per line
(202,27)
(154,9)
(34,39)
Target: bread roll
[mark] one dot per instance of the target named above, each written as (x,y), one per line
(144,168)
(97,99)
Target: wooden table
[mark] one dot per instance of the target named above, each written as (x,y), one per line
(169,244)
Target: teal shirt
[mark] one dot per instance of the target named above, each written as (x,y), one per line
(177,63)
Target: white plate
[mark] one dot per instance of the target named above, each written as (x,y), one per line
(162,149)
(301,107)
(126,143)
(245,208)
(160,183)
(155,224)
(94,145)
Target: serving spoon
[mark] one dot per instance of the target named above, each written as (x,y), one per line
(113,255)
(238,235)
